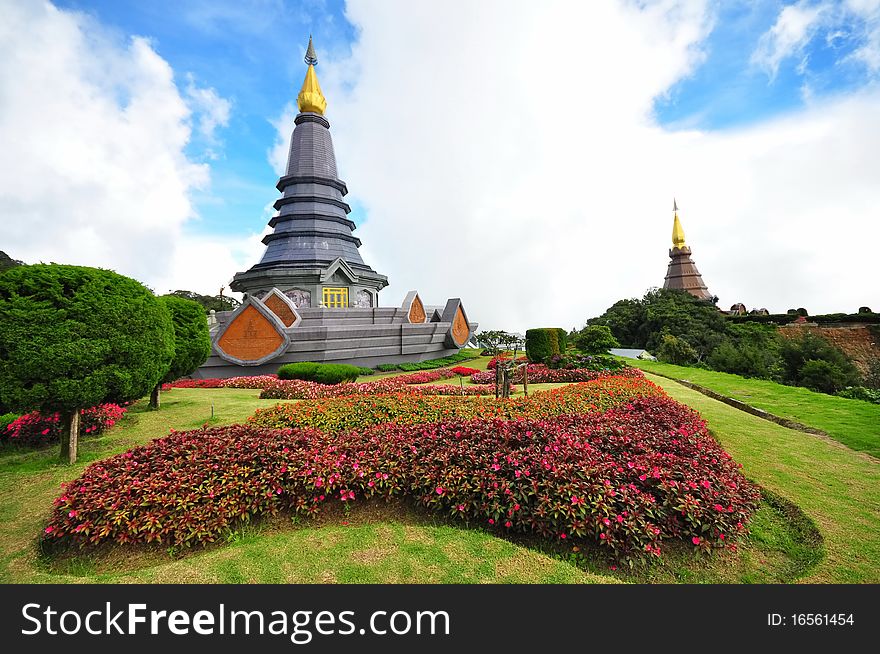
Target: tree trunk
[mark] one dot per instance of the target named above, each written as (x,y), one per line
(497,378)
(69,436)
(505,384)
(154,396)
(526,379)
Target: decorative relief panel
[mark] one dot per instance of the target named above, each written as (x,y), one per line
(250,336)
(460,329)
(417,311)
(300,298)
(363,300)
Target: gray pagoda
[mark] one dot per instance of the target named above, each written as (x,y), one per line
(311,297)
(312,255)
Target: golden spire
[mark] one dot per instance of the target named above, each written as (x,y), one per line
(310,98)
(677,231)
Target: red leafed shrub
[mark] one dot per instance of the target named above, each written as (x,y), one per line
(359,411)
(298,389)
(626,479)
(494,361)
(463,371)
(34,429)
(541,374)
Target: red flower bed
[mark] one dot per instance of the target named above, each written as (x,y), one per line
(360,411)
(541,374)
(463,371)
(452,389)
(625,479)
(35,429)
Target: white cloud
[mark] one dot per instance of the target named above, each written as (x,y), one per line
(93,168)
(794,28)
(509,157)
(213,110)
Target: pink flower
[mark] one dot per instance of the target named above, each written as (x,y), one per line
(562,535)
(718,507)
(606,521)
(461,507)
(643,477)
(491,521)
(71,514)
(439,490)
(45,431)
(508,524)
(603,536)
(695,540)
(50,529)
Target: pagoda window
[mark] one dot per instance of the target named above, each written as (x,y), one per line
(335,297)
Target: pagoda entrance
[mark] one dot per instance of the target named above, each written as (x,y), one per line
(335,297)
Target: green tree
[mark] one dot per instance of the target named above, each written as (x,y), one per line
(595,339)
(676,350)
(797,352)
(73,337)
(642,322)
(208,302)
(192,340)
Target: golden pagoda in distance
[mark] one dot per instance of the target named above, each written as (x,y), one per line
(682,273)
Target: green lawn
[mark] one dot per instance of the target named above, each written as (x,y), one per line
(854,423)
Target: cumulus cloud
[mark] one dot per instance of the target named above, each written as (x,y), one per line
(93,168)
(509,157)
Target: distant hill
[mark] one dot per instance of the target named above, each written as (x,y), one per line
(8,262)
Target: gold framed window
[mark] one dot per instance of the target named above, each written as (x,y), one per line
(335,297)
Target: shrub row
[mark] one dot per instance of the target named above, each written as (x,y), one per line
(431,364)
(34,429)
(625,479)
(360,411)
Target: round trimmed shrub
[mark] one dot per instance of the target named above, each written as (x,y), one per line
(73,337)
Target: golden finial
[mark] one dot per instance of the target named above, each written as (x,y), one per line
(310,98)
(677,231)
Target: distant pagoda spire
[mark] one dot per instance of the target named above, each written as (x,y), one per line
(677,231)
(310,98)
(682,273)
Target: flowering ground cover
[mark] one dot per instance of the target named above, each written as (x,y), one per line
(359,411)
(626,478)
(34,429)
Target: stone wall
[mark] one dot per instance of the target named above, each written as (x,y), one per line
(861,342)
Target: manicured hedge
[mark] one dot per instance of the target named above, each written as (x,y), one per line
(323,373)
(542,343)
(785,318)
(626,480)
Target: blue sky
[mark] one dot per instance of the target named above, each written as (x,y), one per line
(494,135)
(250,52)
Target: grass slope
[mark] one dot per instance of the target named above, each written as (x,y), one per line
(854,423)
(835,486)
